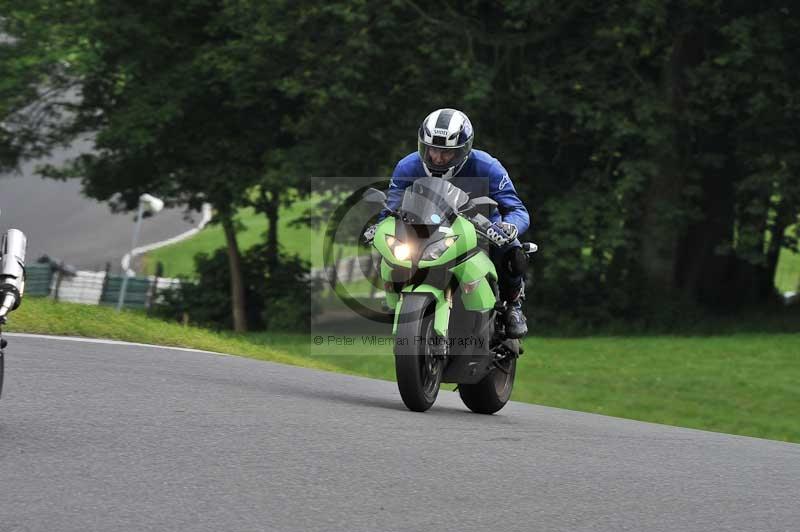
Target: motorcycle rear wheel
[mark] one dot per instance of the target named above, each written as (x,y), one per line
(492,392)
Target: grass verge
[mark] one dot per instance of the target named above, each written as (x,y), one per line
(178,259)
(44,316)
(743,383)
(739,384)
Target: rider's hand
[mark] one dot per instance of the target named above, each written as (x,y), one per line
(510,229)
(369,234)
(497,234)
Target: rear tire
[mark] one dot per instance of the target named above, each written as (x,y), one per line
(492,392)
(419,373)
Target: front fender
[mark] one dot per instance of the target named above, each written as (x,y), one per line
(441,316)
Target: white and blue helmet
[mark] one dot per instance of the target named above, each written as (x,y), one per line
(445,129)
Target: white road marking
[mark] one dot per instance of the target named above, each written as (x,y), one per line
(206,214)
(108,342)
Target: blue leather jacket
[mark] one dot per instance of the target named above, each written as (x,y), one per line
(481,175)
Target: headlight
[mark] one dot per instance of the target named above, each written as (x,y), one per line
(437,249)
(400,250)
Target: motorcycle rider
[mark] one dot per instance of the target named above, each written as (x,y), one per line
(445,150)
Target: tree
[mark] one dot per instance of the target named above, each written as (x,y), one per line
(653,143)
(167,118)
(34,87)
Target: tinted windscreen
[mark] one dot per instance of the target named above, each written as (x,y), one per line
(430,201)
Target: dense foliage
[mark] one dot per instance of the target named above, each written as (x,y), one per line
(653,142)
(273,299)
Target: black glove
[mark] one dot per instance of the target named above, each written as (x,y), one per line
(510,229)
(497,234)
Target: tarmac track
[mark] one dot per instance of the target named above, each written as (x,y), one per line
(107,437)
(60,222)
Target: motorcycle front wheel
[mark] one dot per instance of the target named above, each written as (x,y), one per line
(419,371)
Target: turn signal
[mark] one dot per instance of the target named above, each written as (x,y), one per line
(468,288)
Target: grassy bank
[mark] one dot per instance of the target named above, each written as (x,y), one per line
(44,316)
(740,384)
(178,259)
(744,383)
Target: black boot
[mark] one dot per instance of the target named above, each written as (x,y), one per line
(516,323)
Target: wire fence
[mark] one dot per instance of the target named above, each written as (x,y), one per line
(63,283)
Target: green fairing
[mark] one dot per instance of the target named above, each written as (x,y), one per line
(392,299)
(477,268)
(386,272)
(441,317)
(467,240)
(397,315)
(386,276)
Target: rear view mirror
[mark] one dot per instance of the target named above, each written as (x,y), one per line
(373,195)
(483,205)
(484,201)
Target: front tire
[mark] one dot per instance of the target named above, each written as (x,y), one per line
(419,372)
(492,392)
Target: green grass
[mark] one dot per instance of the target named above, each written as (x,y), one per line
(740,384)
(44,316)
(743,383)
(178,259)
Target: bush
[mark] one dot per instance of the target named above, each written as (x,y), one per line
(281,301)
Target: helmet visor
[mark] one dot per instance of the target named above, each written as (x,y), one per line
(443,158)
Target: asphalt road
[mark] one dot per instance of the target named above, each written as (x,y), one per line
(60,222)
(108,437)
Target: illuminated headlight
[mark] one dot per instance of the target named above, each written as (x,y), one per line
(400,250)
(437,249)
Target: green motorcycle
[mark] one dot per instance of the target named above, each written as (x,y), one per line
(442,287)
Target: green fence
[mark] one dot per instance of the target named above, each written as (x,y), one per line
(95,288)
(38,278)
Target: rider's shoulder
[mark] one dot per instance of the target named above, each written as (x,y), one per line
(407,166)
(486,164)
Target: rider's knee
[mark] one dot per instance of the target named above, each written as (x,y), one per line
(516,261)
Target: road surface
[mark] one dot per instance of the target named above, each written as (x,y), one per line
(100,437)
(63,224)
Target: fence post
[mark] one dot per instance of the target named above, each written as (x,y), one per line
(59,276)
(153,292)
(104,289)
